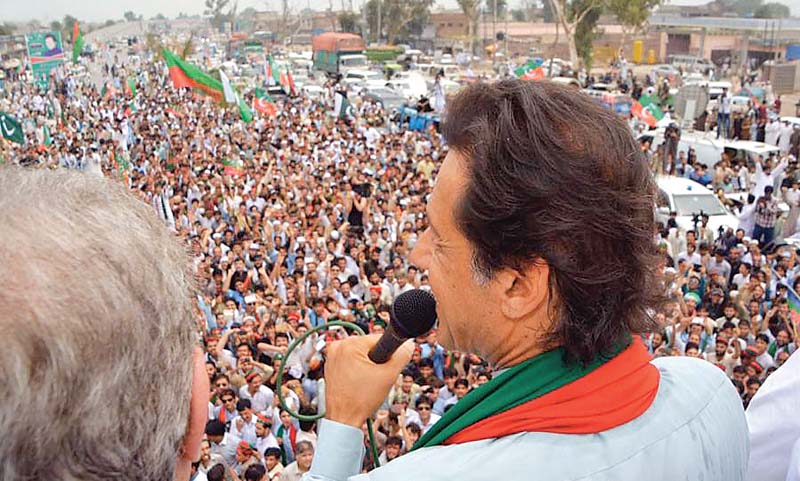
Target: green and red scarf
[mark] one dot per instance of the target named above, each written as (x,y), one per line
(543,394)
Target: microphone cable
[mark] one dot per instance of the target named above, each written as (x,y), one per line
(314,417)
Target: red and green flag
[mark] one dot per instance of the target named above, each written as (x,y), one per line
(273,72)
(532,70)
(263,103)
(184,74)
(130,87)
(650,112)
(233,168)
(77,41)
(643,114)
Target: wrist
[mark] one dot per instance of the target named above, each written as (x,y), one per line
(349,419)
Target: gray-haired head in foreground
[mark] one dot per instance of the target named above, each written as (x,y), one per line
(95,311)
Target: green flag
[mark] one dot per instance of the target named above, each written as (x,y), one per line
(341,106)
(48,140)
(244,110)
(651,106)
(11,128)
(274,70)
(77,42)
(130,86)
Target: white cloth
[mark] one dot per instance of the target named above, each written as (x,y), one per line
(771,132)
(784,141)
(775,427)
(694,430)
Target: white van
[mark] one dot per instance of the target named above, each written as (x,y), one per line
(709,148)
(359,77)
(688,198)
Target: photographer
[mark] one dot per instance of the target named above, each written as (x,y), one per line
(766,217)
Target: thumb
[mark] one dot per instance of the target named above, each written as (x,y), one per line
(402,355)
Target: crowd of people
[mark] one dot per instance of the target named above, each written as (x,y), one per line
(302,218)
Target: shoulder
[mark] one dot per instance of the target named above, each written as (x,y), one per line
(697,418)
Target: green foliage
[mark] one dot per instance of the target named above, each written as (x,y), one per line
(585,32)
(772,10)
(348,22)
(109,23)
(471,9)
(129,16)
(7,28)
(632,13)
(188,47)
(399,19)
(518,15)
(55,25)
(549,12)
(488,7)
(215,9)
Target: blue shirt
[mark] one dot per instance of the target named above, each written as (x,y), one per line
(695,430)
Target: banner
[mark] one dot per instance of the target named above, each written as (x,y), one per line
(45,52)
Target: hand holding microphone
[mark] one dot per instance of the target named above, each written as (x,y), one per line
(355,385)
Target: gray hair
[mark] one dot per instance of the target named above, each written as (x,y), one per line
(96,311)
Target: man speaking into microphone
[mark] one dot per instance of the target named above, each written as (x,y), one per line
(540,253)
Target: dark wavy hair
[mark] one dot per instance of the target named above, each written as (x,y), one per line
(556,177)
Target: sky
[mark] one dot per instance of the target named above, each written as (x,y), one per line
(101,10)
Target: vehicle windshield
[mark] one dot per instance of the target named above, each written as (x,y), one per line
(688,204)
(353,61)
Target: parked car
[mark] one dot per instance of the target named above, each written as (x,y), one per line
(386,97)
(688,198)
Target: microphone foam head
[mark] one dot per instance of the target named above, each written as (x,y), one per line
(414,312)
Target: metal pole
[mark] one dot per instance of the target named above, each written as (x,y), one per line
(494,30)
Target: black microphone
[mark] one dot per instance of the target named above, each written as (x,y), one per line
(412,314)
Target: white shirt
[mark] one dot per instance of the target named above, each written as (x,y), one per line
(248,431)
(268,441)
(775,427)
(431,421)
(261,400)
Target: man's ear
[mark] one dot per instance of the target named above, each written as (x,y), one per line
(524,291)
(198,415)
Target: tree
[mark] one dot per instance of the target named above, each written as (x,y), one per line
(159,16)
(471,9)
(772,10)
(109,23)
(744,8)
(129,16)
(7,28)
(398,18)
(188,47)
(518,15)
(214,9)
(585,32)
(569,14)
(490,5)
(348,22)
(549,12)
(55,25)
(632,14)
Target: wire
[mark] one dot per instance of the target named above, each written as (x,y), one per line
(315,417)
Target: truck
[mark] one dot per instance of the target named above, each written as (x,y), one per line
(336,53)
